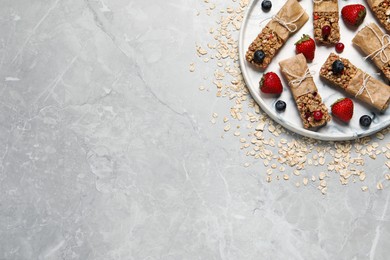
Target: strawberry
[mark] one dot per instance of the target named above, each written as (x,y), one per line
(343,109)
(306,46)
(270,83)
(353,14)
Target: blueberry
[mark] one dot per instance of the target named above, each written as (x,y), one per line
(266,5)
(280,106)
(337,66)
(365,121)
(259,56)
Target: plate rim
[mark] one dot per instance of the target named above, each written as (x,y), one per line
(264,107)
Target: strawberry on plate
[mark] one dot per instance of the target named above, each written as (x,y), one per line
(306,46)
(353,14)
(270,83)
(343,109)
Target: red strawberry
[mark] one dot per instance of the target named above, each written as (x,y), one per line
(343,109)
(270,83)
(306,46)
(353,14)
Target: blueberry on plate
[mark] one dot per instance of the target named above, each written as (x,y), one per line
(259,56)
(280,106)
(266,5)
(337,66)
(365,121)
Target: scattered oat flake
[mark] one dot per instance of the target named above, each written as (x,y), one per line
(380,136)
(200,50)
(364,188)
(227,128)
(271,128)
(388,164)
(286,177)
(246,165)
(192,67)
(201,88)
(305,181)
(296,173)
(379,186)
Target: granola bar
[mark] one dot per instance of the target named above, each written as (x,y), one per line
(290,18)
(381,9)
(305,92)
(326,13)
(268,42)
(356,82)
(369,40)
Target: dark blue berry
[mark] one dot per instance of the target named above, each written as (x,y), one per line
(337,66)
(266,5)
(365,121)
(280,106)
(259,56)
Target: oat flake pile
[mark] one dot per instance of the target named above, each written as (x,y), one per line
(297,156)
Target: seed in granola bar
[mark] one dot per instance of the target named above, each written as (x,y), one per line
(365,121)
(337,66)
(259,56)
(317,115)
(325,31)
(266,5)
(280,106)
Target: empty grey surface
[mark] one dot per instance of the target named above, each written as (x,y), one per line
(107,151)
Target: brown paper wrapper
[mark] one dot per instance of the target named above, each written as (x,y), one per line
(289,12)
(297,66)
(373,3)
(366,40)
(379,91)
(327,6)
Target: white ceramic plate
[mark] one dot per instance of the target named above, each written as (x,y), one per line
(334,130)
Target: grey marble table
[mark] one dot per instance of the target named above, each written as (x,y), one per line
(107,150)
